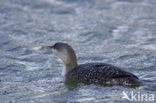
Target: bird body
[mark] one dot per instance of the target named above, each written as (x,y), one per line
(101,73)
(98,73)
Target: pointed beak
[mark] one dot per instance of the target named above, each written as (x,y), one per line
(47,47)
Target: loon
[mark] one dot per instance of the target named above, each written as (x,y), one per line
(92,73)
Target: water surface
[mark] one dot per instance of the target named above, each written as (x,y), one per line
(118,32)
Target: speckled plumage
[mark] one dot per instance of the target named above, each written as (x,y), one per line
(101,73)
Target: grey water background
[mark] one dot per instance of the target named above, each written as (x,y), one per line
(118,32)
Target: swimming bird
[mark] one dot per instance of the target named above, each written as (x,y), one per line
(96,73)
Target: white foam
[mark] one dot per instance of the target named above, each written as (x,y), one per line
(37,48)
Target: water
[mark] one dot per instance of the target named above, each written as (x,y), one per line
(119,32)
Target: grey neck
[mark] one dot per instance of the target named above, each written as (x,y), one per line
(71,66)
(68,68)
(67,55)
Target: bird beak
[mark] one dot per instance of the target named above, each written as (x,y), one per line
(47,47)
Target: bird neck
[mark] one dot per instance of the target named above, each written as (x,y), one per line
(69,67)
